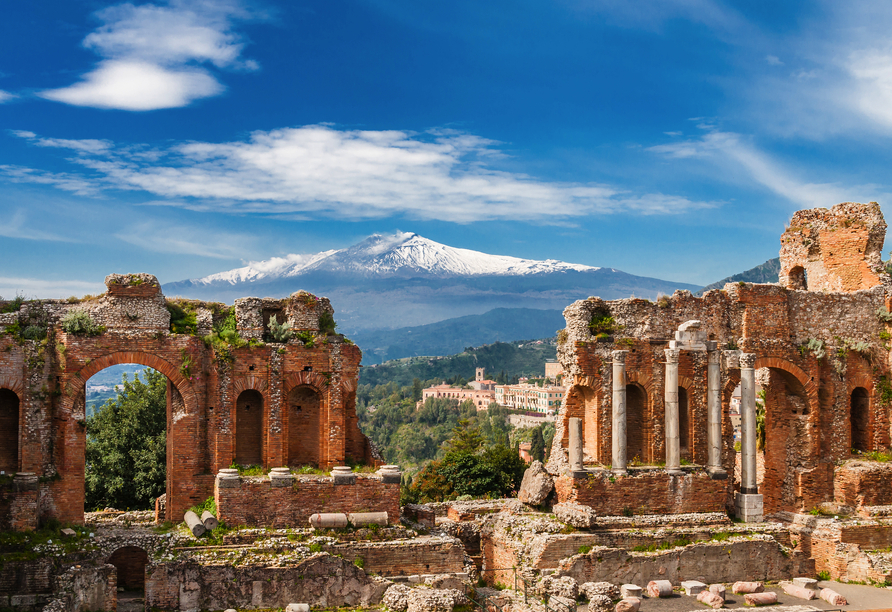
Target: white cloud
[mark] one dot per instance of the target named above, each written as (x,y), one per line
(150,54)
(734,153)
(5,96)
(85,146)
(162,238)
(773,60)
(353,174)
(74,183)
(15,226)
(137,86)
(34,288)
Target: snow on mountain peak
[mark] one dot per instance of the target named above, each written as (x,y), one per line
(399,253)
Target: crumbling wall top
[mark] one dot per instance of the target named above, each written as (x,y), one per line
(839,249)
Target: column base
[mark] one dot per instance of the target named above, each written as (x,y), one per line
(674,471)
(717,473)
(748,506)
(620,471)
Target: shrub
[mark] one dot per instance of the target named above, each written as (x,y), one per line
(182,318)
(80,323)
(327,323)
(603,323)
(280,332)
(823,575)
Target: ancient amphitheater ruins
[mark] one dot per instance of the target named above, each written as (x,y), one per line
(643,483)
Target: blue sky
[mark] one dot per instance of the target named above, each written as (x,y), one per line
(670,139)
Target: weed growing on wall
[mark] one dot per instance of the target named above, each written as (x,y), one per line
(280,332)
(79,323)
(327,323)
(183,319)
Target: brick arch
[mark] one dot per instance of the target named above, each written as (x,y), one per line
(807,382)
(130,563)
(249,383)
(76,384)
(594,382)
(643,379)
(13,383)
(349,385)
(311,379)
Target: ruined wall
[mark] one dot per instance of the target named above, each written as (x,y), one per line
(255,501)
(821,359)
(26,585)
(322,581)
(651,492)
(833,250)
(862,483)
(404,558)
(85,588)
(206,379)
(756,557)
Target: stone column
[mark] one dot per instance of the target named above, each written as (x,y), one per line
(748,502)
(619,412)
(748,424)
(673,448)
(714,413)
(575,424)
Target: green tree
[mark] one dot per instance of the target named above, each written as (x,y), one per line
(126,451)
(537,446)
(465,438)
(416,389)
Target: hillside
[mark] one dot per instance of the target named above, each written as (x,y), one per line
(763,273)
(452,335)
(521,358)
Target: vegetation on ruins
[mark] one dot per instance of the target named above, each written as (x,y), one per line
(327,324)
(280,332)
(126,450)
(468,468)
(603,323)
(183,318)
(79,323)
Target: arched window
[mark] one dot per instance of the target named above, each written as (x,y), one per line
(684,423)
(249,428)
(9,431)
(304,437)
(860,419)
(636,403)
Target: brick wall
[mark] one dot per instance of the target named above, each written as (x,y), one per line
(403,558)
(130,563)
(863,483)
(255,502)
(9,431)
(646,493)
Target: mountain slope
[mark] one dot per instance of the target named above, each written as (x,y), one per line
(403,279)
(763,273)
(453,335)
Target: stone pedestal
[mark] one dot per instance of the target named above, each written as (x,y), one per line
(390,474)
(748,507)
(618,436)
(228,478)
(673,448)
(280,477)
(343,475)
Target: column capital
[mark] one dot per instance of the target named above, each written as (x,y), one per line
(672,355)
(619,356)
(714,357)
(747,360)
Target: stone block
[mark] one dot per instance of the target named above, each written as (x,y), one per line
(628,604)
(717,589)
(22,601)
(343,475)
(760,599)
(693,587)
(68,532)
(577,515)
(749,507)
(537,484)
(798,591)
(297,607)
(630,590)
(806,583)
(710,599)
(659,588)
(4,601)
(743,587)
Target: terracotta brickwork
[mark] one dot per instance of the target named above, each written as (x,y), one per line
(861,483)
(256,502)
(205,385)
(820,359)
(645,493)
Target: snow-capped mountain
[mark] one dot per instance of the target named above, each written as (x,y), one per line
(403,279)
(400,254)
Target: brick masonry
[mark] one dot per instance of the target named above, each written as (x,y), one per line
(820,404)
(255,502)
(47,380)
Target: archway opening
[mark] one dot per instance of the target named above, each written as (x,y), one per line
(636,408)
(130,563)
(304,417)
(784,427)
(125,456)
(860,419)
(9,431)
(684,423)
(797,279)
(249,428)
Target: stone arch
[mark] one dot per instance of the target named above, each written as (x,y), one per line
(304,425)
(797,279)
(10,419)
(859,413)
(807,381)
(130,563)
(249,428)
(636,413)
(313,379)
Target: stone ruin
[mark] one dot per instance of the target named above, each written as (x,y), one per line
(637,497)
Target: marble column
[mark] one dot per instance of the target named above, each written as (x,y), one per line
(714,412)
(618,436)
(748,423)
(575,424)
(673,448)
